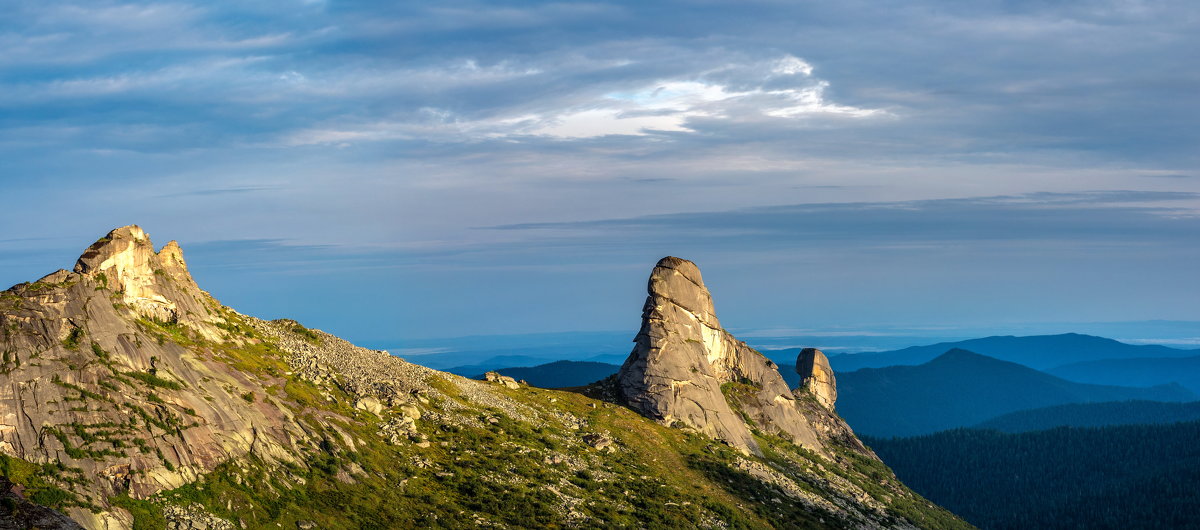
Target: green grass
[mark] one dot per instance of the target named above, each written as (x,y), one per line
(44,482)
(147,515)
(73,338)
(84,394)
(153,380)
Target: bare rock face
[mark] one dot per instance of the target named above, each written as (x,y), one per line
(121,369)
(155,285)
(816,376)
(687,370)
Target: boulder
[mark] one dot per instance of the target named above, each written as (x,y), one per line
(369,404)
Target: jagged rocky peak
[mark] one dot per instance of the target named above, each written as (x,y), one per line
(816,376)
(127,257)
(686,370)
(154,284)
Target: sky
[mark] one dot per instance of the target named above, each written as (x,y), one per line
(412,170)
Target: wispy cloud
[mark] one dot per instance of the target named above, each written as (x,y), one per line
(1130,218)
(355,137)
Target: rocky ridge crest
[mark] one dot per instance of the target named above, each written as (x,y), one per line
(125,389)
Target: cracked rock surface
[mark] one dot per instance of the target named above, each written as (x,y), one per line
(686,369)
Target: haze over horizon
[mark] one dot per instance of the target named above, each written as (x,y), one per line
(481,168)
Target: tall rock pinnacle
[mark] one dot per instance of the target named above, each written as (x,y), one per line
(816,376)
(686,369)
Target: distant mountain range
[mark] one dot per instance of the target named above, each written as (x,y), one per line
(1094,415)
(501,363)
(1128,477)
(533,348)
(559,374)
(1138,372)
(1039,351)
(495,363)
(961,389)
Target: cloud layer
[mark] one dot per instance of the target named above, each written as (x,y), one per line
(534,142)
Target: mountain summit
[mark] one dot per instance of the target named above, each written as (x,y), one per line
(155,285)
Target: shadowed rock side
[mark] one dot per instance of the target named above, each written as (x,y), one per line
(17,512)
(686,369)
(816,377)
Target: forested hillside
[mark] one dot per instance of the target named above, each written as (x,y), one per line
(1094,415)
(1129,477)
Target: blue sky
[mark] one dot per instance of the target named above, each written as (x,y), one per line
(414,170)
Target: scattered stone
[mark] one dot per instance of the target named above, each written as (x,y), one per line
(398,429)
(493,377)
(193,517)
(597,441)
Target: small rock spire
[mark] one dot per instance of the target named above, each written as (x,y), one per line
(816,376)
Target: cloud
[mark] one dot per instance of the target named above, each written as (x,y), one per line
(219,191)
(352,137)
(1124,218)
(779,88)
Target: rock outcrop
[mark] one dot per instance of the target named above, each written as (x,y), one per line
(686,369)
(121,369)
(816,377)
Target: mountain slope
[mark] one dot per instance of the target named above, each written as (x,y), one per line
(1039,352)
(1094,415)
(1137,372)
(130,398)
(1126,477)
(960,389)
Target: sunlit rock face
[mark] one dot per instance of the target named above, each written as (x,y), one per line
(816,376)
(683,358)
(155,285)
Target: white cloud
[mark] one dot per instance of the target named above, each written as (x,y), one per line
(792,65)
(730,92)
(669,104)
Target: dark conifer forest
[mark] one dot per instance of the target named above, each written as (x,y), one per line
(1130,476)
